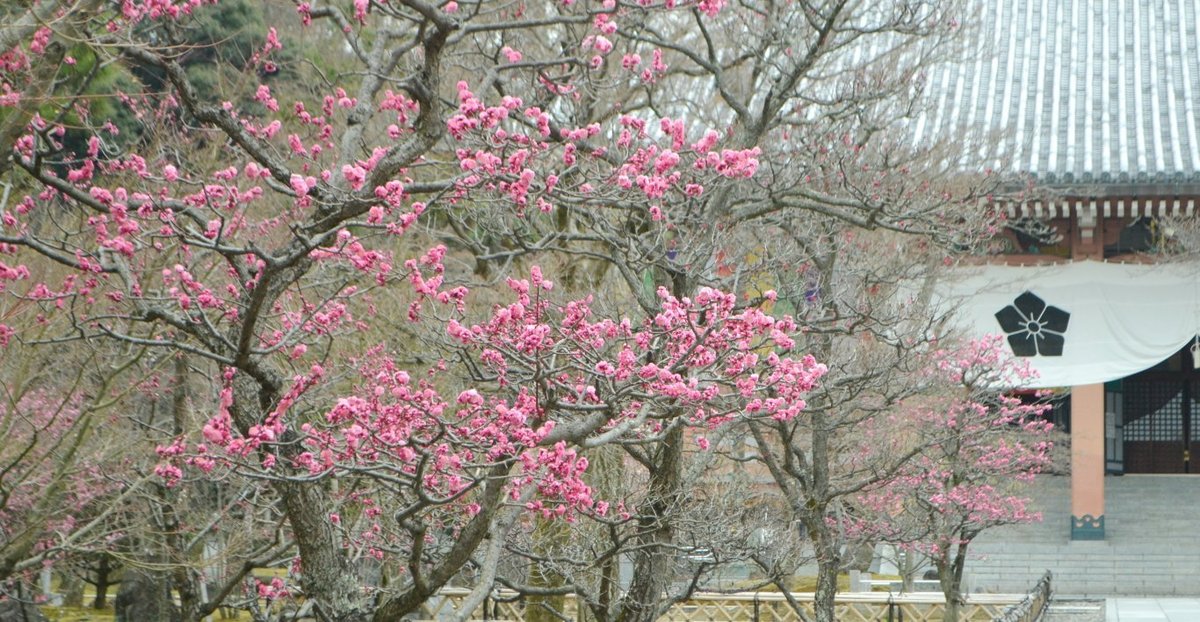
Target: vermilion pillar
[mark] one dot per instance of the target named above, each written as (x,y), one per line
(1087,462)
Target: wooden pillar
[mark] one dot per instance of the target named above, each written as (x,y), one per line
(1088,242)
(1087,462)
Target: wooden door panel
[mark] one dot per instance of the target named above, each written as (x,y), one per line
(1156,425)
(1154,457)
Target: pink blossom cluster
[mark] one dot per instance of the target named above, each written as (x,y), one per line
(977,446)
(137,10)
(702,358)
(502,159)
(708,352)
(350,249)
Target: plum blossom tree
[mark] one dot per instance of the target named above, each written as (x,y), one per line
(42,433)
(830,165)
(258,267)
(980,446)
(265,229)
(53,457)
(449,477)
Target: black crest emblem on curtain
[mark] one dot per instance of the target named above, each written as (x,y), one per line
(1033,327)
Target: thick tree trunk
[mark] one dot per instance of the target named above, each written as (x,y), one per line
(72,589)
(654,557)
(826,545)
(908,567)
(145,596)
(326,576)
(103,581)
(190,603)
(951,612)
(328,579)
(829,563)
(950,573)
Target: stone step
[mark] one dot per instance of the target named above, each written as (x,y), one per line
(1074,611)
(1149,548)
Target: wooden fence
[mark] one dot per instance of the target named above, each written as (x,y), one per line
(755,607)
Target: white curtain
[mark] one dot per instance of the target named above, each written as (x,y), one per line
(1082,322)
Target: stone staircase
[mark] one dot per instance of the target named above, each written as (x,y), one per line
(1152,525)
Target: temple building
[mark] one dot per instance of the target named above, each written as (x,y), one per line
(1095,106)
(1095,109)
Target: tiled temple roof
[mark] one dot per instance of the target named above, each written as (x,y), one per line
(1079,92)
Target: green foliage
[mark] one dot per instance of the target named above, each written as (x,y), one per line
(98,81)
(219,42)
(229,33)
(77,614)
(223,41)
(87,81)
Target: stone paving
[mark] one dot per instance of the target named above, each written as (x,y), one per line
(1123,610)
(1152,609)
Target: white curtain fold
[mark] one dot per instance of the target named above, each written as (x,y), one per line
(1083,322)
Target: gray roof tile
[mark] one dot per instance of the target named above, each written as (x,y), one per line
(1079,91)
